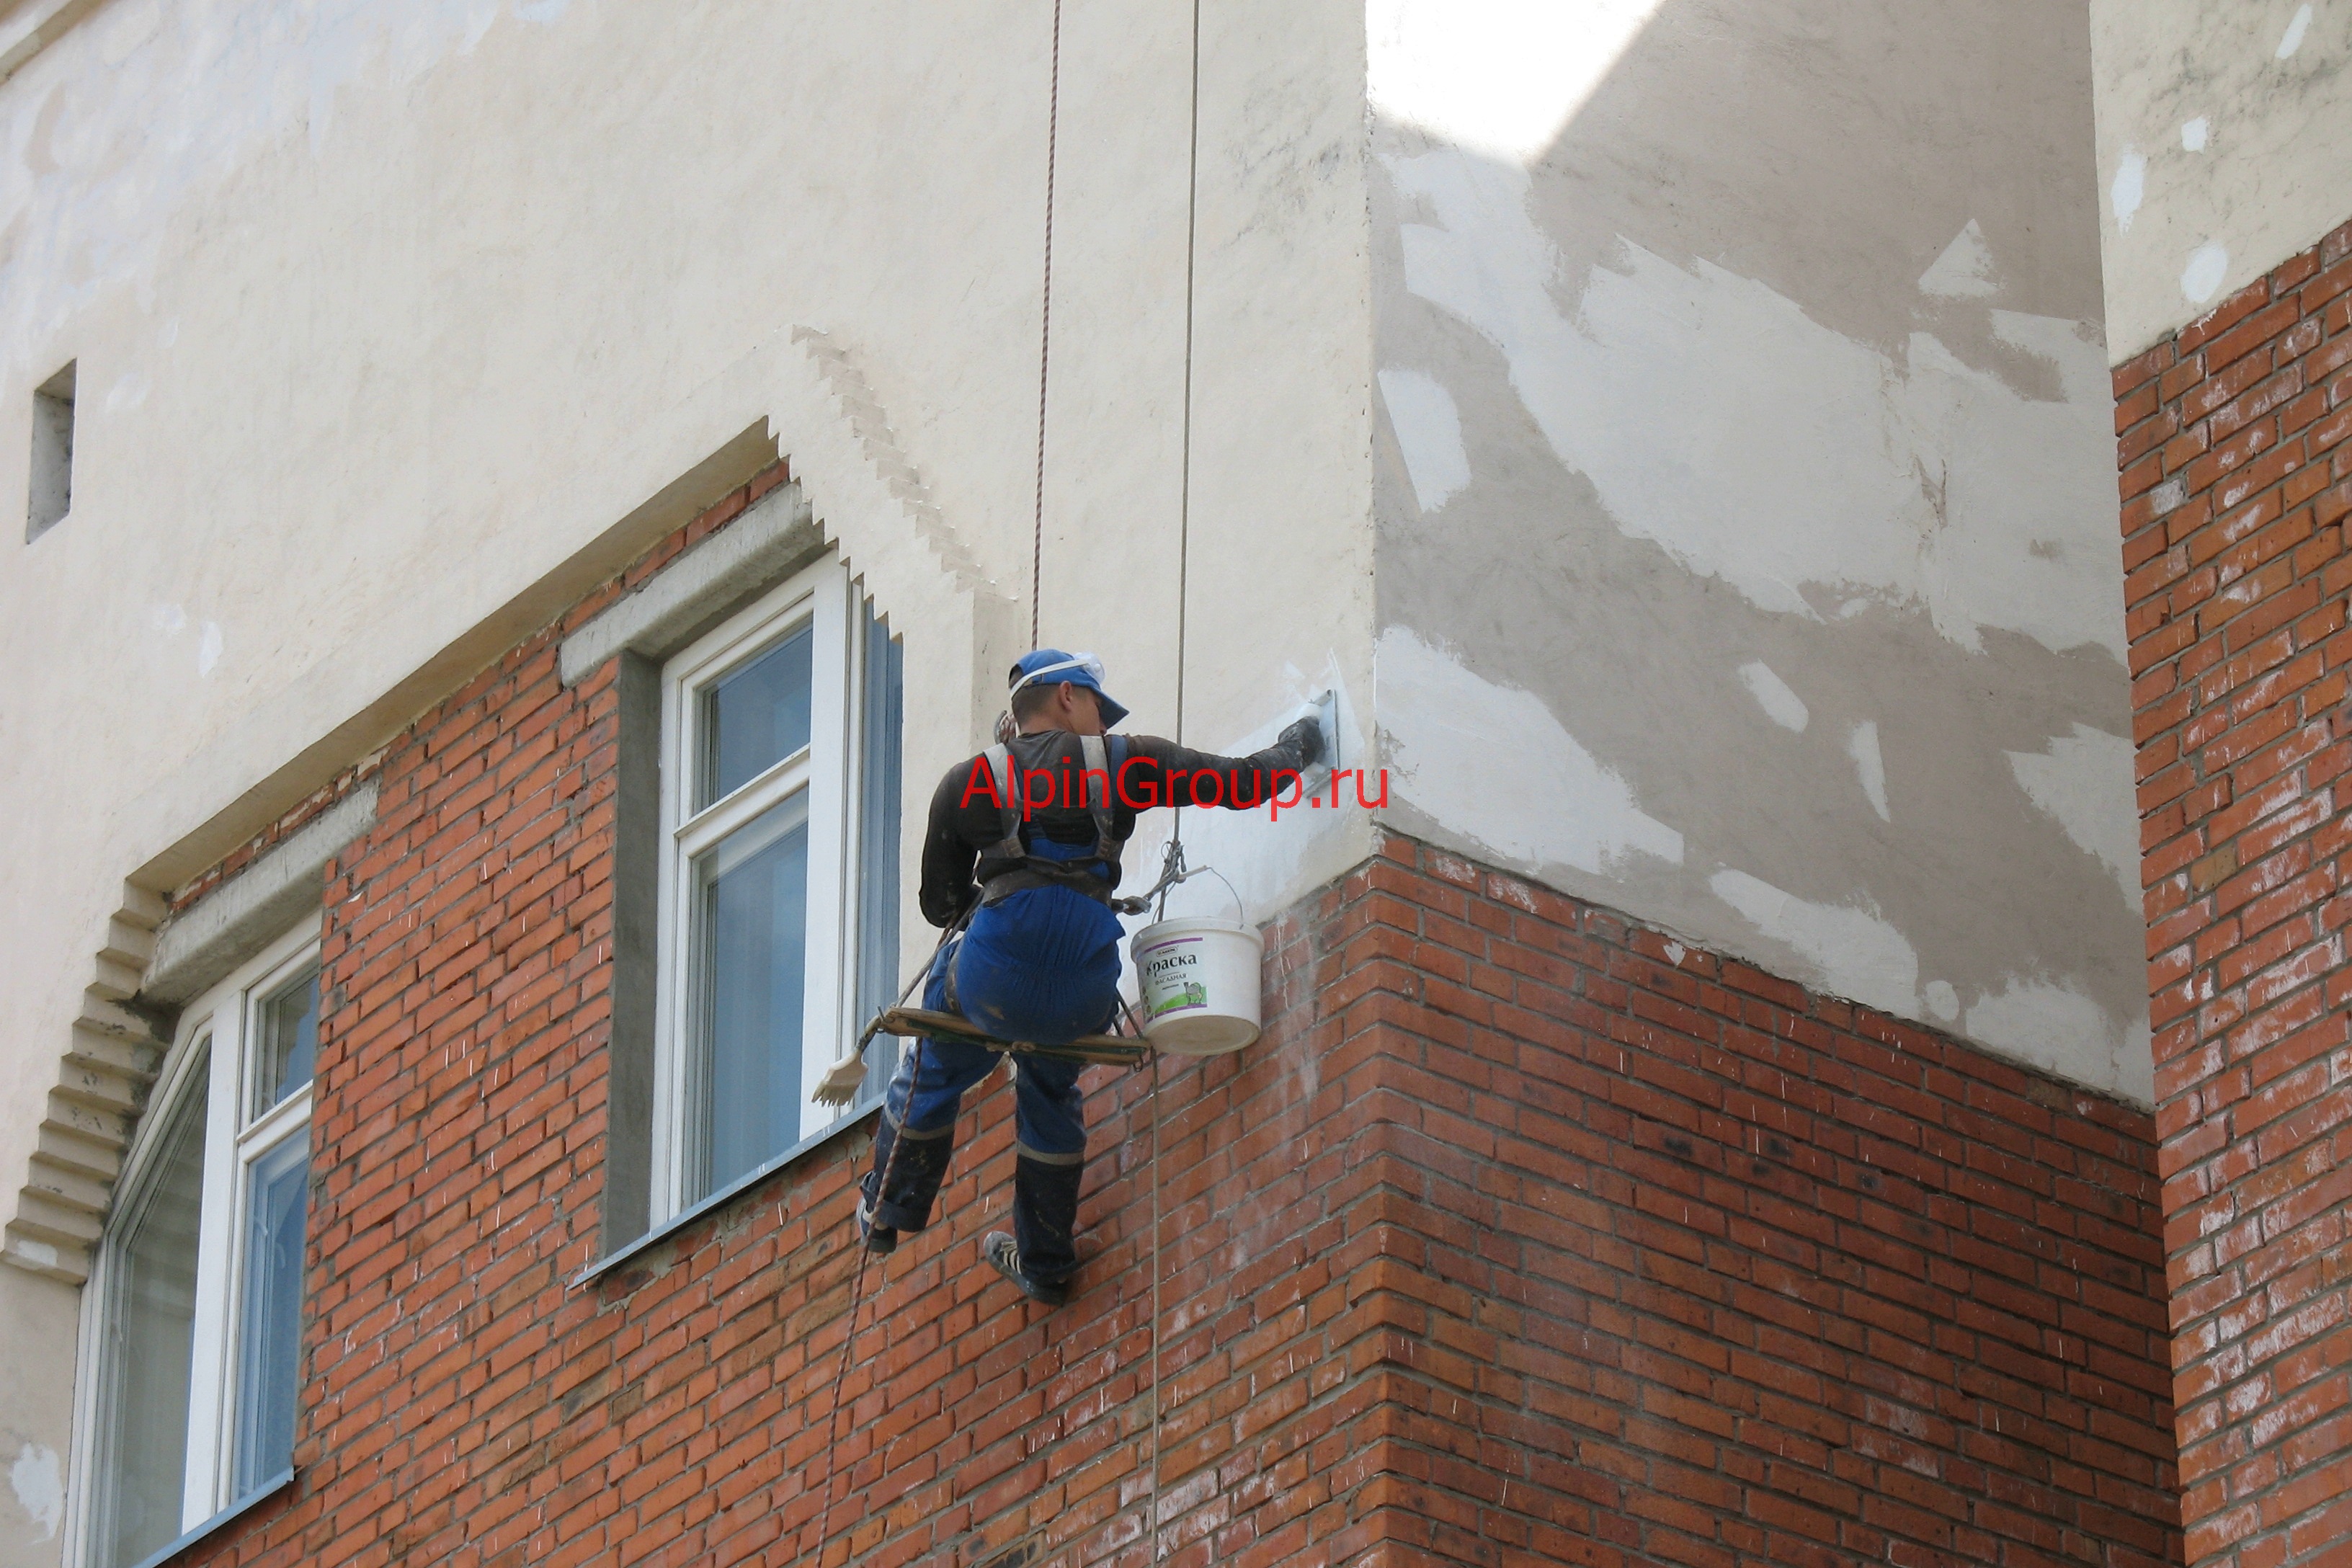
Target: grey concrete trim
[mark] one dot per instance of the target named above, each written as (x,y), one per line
(242,1506)
(245,914)
(93,1107)
(775,538)
(629,1054)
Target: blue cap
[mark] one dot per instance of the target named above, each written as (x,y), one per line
(1052,666)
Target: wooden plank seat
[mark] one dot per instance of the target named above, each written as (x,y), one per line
(1117,1050)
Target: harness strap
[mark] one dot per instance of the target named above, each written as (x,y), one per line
(1097,760)
(1008,845)
(1043,873)
(1098,755)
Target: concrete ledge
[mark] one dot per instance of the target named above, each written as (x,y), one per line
(251,909)
(770,542)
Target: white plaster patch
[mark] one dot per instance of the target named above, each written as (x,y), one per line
(169,619)
(41,1255)
(1260,859)
(39,1484)
(209,648)
(1429,428)
(2085,780)
(1492,763)
(1675,952)
(129,391)
(1779,701)
(1964,271)
(2292,39)
(1854,952)
(2043,1023)
(2135,1063)
(2130,187)
(1806,458)
(2207,265)
(1869,766)
(2194,135)
(478,22)
(1942,1000)
(1499,76)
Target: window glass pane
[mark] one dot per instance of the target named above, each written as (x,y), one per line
(268,1351)
(754,932)
(755,717)
(287,1026)
(150,1337)
(877,852)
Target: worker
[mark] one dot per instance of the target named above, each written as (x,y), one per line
(1025,839)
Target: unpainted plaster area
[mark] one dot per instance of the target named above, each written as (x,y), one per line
(1747,554)
(2225,145)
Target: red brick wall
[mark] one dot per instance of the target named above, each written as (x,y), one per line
(1522,1238)
(1681,1263)
(2237,476)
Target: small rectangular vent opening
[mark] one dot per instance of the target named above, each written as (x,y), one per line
(52,468)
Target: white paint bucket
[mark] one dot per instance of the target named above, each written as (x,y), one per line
(1200,981)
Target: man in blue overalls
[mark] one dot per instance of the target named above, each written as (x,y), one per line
(1024,840)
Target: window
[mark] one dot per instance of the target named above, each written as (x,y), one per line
(198,1285)
(779,877)
(52,470)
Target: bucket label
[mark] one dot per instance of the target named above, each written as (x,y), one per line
(1169,981)
(1188,995)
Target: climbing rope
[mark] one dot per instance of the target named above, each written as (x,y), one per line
(1155,1307)
(1045,329)
(857,1301)
(1173,870)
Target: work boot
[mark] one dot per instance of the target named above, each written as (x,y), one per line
(1044,1222)
(881,1240)
(920,1164)
(1004,1254)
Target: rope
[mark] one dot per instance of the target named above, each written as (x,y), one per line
(1185,480)
(1046,331)
(856,1301)
(1184,607)
(1036,594)
(1155,1307)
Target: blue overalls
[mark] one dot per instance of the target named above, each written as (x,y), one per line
(1038,964)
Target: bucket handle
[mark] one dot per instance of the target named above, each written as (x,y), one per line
(1241,917)
(1174,872)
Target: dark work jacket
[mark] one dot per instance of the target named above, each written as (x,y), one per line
(964,816)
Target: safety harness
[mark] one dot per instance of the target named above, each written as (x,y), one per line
(1100,757)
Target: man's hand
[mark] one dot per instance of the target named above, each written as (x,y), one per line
(1305,738)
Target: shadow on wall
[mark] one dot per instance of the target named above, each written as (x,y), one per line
(1748,551)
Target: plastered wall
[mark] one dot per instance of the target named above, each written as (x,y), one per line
(36,1391)
(384,312)
(2225,146)
(1747,551)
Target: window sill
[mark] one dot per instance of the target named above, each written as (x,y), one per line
(720,1199)
(238,1509)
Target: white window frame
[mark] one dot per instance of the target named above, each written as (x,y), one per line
(824,598)
(221,1026)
